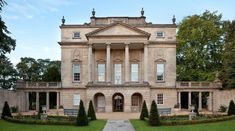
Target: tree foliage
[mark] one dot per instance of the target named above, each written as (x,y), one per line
(231,108)
(91,112)
(144,111)
(6,112)
(30,69)
(227,74)
(51,74)
(8,74)
(7,44)
(200,47)
(82,117)
(154,119)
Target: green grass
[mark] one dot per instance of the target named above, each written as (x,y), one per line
(97,125)
(218,126)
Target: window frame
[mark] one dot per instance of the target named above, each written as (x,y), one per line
(101,63)
(114,73)
(75,36)
(75,103)
(80,69)
(160,61)
(163,34)
(160,99)
(138,71)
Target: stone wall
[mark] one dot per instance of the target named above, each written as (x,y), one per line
(14,98)
(222,97)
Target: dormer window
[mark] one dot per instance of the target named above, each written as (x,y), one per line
(160,34)
(76,35)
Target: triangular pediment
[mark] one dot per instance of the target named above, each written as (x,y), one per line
(118,29)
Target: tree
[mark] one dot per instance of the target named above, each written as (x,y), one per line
(200,47)
(8,74)
(227,74)
(154,119)
(82,117)
(231,108)
(51,74)
(28,69)
(6,112)
(7,44)
(91,112)
(144,111)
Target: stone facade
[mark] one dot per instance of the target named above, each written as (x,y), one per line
(98,60)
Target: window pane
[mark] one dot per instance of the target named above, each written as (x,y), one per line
(101,72)
(134,72)
(76,34)
(160,34)
(76,99)
(159,98)
(118,73)
(76,72)
(160,72)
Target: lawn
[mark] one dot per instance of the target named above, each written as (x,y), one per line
(218,126)
(97,125)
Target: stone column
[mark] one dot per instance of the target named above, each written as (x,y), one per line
(57,100)
(210,101)
(127,64)
(108,62)
(179,99)
(189,99)
(37,101)
(200,101)
(145,62)
(26,101)
(47,101)
(89,62)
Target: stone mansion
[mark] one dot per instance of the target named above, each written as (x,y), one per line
(117,62)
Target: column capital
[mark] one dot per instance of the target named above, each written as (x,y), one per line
(108,43)
(127,43)
(146,43)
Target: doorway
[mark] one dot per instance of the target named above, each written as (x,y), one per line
(118,102)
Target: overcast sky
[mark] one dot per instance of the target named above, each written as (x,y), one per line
(35,23)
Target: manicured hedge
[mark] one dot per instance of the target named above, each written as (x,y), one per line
(189,122)
(41,122)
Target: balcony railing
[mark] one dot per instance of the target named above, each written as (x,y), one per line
(192,84)
(43,84)
(124,84)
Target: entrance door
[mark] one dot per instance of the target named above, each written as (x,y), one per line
(118,73)
(118,102)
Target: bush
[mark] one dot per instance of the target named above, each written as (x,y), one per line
(6,112)
(144,111)
(231,108)
(154,119)
(82,117)
(91,112)
(223,108)
(14,109)
(34,120)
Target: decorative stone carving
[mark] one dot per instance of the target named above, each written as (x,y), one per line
(160,54)
(76,55)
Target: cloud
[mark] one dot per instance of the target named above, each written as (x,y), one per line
(28,9)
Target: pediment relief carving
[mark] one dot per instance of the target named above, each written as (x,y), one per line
(118,29)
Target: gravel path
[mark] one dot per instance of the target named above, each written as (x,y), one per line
(118,125)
